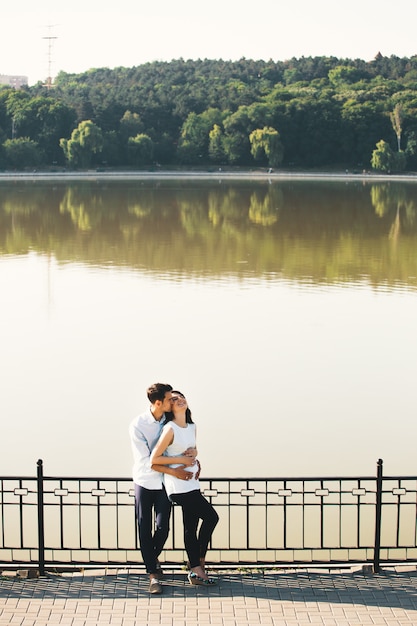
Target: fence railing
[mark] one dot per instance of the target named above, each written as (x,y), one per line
(81,521)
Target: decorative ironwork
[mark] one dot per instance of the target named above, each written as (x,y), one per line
(57,521)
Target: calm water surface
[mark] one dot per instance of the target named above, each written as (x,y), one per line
(286,312)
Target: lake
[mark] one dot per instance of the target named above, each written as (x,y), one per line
(285,310)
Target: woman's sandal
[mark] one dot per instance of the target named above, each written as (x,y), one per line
(197,580)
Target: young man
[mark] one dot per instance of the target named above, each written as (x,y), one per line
(150,496)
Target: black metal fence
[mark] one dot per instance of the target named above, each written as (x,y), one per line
(76,521)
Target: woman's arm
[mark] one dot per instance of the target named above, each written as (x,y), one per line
(165,440)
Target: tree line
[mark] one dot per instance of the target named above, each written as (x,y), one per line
(310,112)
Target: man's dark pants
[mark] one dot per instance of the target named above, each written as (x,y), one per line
(152,504)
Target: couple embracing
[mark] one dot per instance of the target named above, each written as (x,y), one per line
(166,470)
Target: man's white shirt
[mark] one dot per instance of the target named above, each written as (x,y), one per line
(144,432)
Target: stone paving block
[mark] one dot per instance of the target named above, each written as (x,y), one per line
(129,609)
(241,599)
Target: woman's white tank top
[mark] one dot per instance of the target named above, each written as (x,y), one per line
(183,438)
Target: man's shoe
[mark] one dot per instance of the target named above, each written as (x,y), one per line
(155,586)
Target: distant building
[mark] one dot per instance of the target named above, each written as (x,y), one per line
(14,81)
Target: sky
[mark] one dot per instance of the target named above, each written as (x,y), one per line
(40,39)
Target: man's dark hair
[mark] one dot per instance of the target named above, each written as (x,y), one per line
(157,391)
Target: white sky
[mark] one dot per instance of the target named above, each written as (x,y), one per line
(93,33)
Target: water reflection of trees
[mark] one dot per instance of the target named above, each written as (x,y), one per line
(303,231)
(397,201)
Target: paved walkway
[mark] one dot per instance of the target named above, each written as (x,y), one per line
(279,598)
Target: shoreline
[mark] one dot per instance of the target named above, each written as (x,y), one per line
(205,175)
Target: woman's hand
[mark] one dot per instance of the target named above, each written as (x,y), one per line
(191,452)
(186,460)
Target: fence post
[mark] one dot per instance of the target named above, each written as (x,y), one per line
(41,528)
(378,511)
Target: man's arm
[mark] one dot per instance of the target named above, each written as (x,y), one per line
(140,449)
(178,472)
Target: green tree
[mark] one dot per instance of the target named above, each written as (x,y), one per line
(400,161)
(216,150)
(194,139)
(140,150)
(112,153)
(343,75)
(236,147)
(267,142)
(411,150)
(21,152)
(382,157)
(42,119)
(237,127)
(362,125)
(396,117)
(130,125)
(85,143)
(309,123)
(15,101)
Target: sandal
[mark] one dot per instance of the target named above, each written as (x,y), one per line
(197,580)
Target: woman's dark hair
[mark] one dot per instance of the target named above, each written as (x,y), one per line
(169,415)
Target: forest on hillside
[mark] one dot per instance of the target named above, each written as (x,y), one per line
(310,112)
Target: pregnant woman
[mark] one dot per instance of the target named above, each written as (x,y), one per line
(178,434)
